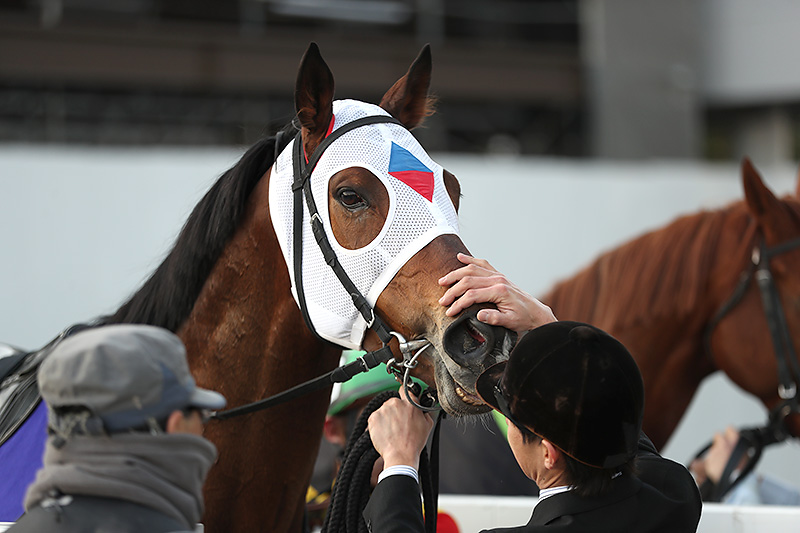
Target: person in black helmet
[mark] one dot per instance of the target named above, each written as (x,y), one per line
(573,397)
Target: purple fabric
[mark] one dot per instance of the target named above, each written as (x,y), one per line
(20,458)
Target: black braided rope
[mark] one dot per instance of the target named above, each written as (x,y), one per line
(352,488)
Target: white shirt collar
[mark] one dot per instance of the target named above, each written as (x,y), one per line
(552,491)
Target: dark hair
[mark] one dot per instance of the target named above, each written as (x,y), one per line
(161,423)
(592,481)
(586,480)
(168,296)
(528,436)
(79,420)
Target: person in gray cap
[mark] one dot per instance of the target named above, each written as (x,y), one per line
(573,397)
(125,451)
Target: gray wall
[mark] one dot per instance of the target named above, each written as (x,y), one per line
(641,61)
(750,51)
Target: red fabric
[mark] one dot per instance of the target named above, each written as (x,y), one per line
(420,181)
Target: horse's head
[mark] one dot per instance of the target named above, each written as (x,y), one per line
(389,212)
(760,355)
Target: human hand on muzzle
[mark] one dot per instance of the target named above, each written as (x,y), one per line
(479,282)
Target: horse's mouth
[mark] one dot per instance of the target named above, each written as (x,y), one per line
(468,398)
(459,356)
(456,397)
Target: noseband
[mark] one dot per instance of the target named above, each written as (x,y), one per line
(788,368)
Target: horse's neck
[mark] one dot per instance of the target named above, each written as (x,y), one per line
(246,339)
(669,278)
(660,302)
(245,323)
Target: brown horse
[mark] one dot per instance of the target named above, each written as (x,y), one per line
(661,294)
(225,289)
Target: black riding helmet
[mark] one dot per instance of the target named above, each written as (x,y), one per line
(574,385)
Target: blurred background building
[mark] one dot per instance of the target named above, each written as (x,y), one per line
(624,79)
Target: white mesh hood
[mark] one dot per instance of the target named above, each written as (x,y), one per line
(419,211)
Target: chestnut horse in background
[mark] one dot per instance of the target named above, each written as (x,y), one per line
(667,296)
(225,289)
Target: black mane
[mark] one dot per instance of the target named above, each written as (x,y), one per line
(168,296)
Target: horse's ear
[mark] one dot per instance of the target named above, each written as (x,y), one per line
(313,97)
(762,203)
(453,189)
(408,100)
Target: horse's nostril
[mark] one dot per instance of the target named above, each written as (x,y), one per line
(468,341)
(475,334)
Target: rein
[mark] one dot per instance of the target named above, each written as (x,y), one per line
(352,489)
(338,375)
(775,431)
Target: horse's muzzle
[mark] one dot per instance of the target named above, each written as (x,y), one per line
(470,342)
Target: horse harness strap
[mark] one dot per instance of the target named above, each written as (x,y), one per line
(755,439)
(759,268)
(301,188)
(338,375)
(352,490)
(788,368)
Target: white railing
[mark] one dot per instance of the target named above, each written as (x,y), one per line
(474,513)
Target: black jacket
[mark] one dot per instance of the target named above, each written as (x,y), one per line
(663,498)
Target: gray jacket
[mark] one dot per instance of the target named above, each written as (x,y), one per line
(90,514)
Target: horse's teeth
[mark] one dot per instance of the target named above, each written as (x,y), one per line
(467,398)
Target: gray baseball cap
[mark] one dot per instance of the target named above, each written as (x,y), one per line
(124,374)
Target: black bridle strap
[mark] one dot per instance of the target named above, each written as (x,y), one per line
(782,248)
(338,375)
(749,439)
(733,301)
(302,187)
(297,233)
(788,370)
(788,367)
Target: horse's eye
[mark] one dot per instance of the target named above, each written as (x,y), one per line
(350,199)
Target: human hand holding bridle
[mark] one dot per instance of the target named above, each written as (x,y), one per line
(399,432)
